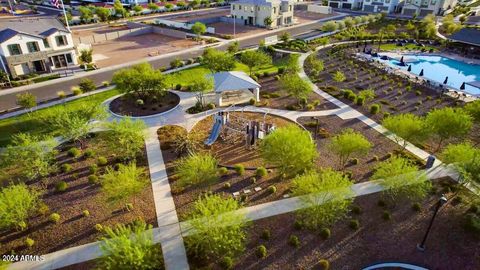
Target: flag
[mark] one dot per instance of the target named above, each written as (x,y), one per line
(55,3)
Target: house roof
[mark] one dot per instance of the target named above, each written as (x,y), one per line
(38,27)
(467,35)
(233,80)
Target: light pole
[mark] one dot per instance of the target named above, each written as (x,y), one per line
(441,201)
(234,19)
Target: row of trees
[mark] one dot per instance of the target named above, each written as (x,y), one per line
(349,22)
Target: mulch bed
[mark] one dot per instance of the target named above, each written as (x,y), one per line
(74,229)
(449,246)
(272,96)
(126,105)
(330,126)
(227,154)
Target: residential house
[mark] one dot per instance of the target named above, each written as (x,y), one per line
(35,45)
(346,4)
(387,6)
(265,13)
(423,8)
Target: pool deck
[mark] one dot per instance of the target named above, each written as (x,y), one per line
(398,54)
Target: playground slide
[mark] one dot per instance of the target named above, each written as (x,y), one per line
(214,134)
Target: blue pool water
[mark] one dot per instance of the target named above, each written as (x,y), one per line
(437,68)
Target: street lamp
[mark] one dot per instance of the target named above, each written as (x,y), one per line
(441,201)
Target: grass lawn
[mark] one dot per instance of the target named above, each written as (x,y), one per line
(407,47)
(32,123)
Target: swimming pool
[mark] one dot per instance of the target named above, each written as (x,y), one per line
(437,68)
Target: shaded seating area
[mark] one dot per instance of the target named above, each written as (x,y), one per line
(234,87)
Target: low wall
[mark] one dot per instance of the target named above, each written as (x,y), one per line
(319,9)
(181,25)
(168,32)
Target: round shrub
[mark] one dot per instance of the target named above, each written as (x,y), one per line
(93,168)
(21,226)
(354,161)
(74,152)
(323,264)
(298,225)
(266,234)
(239,169)
(210,106)
(178,87)
(354,224)
(139,102)
(416,207)
(310,107)
(356,210)
(253,180)
(252,101)
(102,161)
(222,170)
(386,215)
(418,93)
(227,185)
(88,153)
(29,242)
(360,100)
(98,227)
(281,70)
(43,209)
(76,91)
(272,189)
(61,186)
(375,158)
(55,217)
(375,108)
(261,172)
(261,251)
(93,179)
(105,83)
(86,213)
(129,207)
(65,168)
(226,263)
(325,233)
(294,241)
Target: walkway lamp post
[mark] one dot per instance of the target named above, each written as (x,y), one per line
(441,201)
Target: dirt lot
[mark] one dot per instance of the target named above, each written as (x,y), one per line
(99,30)
(190,17)
(222,28)
(303,16)
(126,49)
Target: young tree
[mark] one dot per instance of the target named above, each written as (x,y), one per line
(367,94)
(130,247)
(217,231)
(119,9)
(199,28)
(102,13)
(34,155)
(314,64)
(407,128)
(329,26)
(447,123)
(292,65)
(187,142)
(289,148)
(17,203)
(26,101)
(473,108)
(217,61)
(127,181)
(127,135)
(87,85)
(339,76)
(285,37)
(295,86)
(349,143)
(254,59)
(233,47)
(153,6)
(326,196)
(349,22)
(141,81)
(268,21)
(401,179)
(201,86)
(195,169)
(428,27)
(86,14)
(86,56)
(466,159)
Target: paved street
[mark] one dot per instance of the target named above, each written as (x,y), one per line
(49,89)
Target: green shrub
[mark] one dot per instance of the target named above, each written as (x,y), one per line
(261,172)
(61,186)
(102,161)
(294,241)
(93,168)
(227,185)
(253,180)
(55,217)
(239,169)
(195,169)
(375,158)
(98,227)
(360,100)
(354,224)
(222,170)
(325,233)
(43,208)
(74,152)
(272,189)
(386,215)
(21,226)
(375,108)
(139,102)
(261,251)
(210,106)
(226,263)
(323,264)
(178,87)
(87,85)
(354,161)
(252,101)
(416,207)
(266,234)
(105,83)
(298,225)
(76,91)
(89,153)
(29,242)
(356,210)
(418,93)
(65,168)
(310,107)
(86,213)
(129,207)
(472,223)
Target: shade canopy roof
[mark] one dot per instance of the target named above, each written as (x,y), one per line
(233,80)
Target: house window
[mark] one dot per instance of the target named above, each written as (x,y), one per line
(290,8)
(69,58)
(14,49)
(33,46)
(61,40)
(387,1)
(233,7)
(274,10)
(45,43)
(239,7)
(434,2)
(258,8)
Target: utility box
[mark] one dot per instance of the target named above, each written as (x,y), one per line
(430,161)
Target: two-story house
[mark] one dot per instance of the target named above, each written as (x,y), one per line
(423,8)
(35,45)
(387,6)
(265,13)
(346,4)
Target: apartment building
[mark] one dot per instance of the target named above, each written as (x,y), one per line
(422,8)
(35,45)
(387,6)
(346,4)
(264,13)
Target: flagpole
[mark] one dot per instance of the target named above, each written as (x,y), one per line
(65,14)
